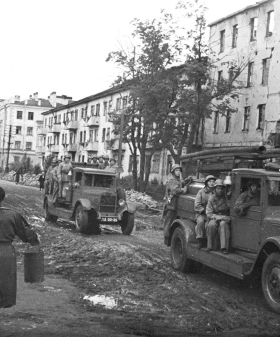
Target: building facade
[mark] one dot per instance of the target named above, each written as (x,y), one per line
(249,38)
(19,121)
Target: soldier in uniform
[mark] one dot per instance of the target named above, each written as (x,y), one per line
(200,204)
(48,179)
(55,180)
(12,224)
(101,165)
(217,211)
(106,160)
(249,198)
(63,170)
(94,161)
(175,186)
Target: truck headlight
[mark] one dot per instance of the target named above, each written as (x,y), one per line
(121,202)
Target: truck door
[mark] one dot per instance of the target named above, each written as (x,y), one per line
(246,229)
(77,188)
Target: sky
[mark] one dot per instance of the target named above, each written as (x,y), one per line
(62,45)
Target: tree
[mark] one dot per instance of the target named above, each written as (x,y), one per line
(171,90)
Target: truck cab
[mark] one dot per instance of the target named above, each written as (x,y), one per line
(254,238)
(92,198)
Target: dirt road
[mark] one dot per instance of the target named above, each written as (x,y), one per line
(132,275)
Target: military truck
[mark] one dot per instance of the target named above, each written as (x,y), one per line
(255,237)
(92,198)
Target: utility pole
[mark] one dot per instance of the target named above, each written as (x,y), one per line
(120,169)
(9,145)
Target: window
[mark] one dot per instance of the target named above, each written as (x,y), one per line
(30,115)
(85,134)
(254,27)
(265,71)
(29,131)
(63,139)
(98,109)
(44,141)
(103,181)
(28,145)
(108,136)
(81,136)
(18,130)
(250,74)
(273,193)
(246,117)
(228,118)
(118,104)
(216,121)
(261,116)
(125,102)
(76,114)
(234,36)
(270,23)
(82,114)
(46,122)
(92,110)
(110,105)
(90,135)
(105,106)
(231,75)
(103,134)
(220,75)
(64,117)
(17,145)
(96,135)
(59,119)
(19,114)
(222,40)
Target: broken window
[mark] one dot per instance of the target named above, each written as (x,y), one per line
(222,40)
(250,74)
(270,23)
(261,116)
(234,36)
(254,27)
(246,117)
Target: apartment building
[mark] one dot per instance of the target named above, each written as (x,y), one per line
(19,121)
(249,38)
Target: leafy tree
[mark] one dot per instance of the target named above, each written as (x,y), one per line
(171,89)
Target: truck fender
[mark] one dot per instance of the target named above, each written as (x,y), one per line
(85,203)
(188,227)
(272,240)
(131,207)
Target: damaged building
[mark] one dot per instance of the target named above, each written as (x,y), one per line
(248,39)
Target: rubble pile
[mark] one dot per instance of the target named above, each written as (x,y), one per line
(142,198)
(28,179)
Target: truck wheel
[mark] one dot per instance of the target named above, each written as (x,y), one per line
(271,281)
(127,223)
(178,252)
(81,219)
(48,216)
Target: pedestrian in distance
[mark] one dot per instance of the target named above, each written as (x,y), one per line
(12,224)
(42,180)
(18,174)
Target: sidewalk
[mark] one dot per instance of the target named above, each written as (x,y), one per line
(48,309)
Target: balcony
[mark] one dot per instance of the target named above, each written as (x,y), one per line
(72,125)
(55,128)
(92,146)
(113,144)
(55,148)
(93,121)
(73,147)
(41,149)
(42,130)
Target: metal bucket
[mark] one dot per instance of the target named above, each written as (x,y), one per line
(34,266)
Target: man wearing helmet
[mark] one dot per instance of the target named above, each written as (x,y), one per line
(94,161)
(106,160)
(174,187)
(48,180)
(217,211)
(101,164)
(249,198)
(200,204)
(62,173)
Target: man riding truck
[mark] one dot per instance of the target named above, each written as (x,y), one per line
(62,173)
(174,187)
(249,198)
(200,204)
(48,179)
(217,211)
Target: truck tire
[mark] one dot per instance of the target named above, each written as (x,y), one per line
(81,219)
(178,252)
(48,216)
(271,281)
(127,223)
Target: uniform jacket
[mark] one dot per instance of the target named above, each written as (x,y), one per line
(244,201)
(173,190)
(217,206)
(201,200)
(63,170)
(54,174)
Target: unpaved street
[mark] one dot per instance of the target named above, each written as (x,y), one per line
(149,298)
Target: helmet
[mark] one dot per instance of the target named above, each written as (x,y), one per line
(54,161)
(94,156)
(100,156)
(174,167)
(67,156)
(219,182)
(105,156)
(253,182)
(209,178)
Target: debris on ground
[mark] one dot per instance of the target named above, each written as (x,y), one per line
(146,200)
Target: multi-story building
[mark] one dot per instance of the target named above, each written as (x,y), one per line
(250,38)
(19,121)
(86,127)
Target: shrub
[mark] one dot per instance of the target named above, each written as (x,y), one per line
(37,169)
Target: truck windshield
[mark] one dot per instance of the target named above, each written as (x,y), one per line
(273,193)
(99,180)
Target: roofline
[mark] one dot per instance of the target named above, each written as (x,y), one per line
(86,99)
(257,4)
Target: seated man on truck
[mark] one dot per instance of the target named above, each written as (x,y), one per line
(251,197)
(174,187)
(217,211)
(200,204)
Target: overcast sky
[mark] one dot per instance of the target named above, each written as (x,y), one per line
(61,45)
